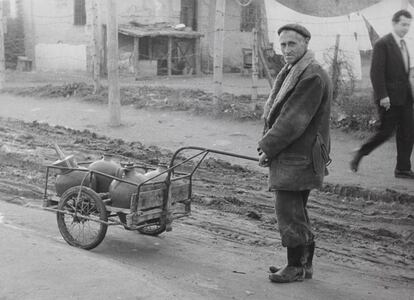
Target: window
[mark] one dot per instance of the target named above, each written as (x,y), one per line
(248,17)
(188,14)
(79,12)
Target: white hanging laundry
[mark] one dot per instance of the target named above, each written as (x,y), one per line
(380,17)
(323,31)
(360,31)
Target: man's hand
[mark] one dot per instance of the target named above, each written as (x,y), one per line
(385,102)
(264,160)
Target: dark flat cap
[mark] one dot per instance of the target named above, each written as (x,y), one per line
(295,27)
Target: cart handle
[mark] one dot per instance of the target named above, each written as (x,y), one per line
(207,151)
(167,218)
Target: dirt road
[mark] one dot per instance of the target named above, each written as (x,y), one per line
(188,263)
(36,264)
(172,130)
(223,250)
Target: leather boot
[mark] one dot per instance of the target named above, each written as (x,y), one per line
(310,250)
(294,271)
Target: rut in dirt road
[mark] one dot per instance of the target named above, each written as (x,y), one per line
(352,231)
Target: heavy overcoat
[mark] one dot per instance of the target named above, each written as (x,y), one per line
(296,138)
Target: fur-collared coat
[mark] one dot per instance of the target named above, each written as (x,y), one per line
(296,137)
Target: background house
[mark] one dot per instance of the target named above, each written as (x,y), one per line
(239,24)
(58,33)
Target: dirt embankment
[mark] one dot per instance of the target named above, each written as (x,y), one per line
(160,97)
(350,112)
(353,231)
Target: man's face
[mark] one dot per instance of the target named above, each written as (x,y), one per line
(293,45)
(402,26)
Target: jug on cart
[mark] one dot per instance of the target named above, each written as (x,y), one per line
(121,192)
(107,166)
(70,177)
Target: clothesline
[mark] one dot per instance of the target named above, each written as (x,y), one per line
(352,28)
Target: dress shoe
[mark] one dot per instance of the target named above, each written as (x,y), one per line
(288,274)
(404,174)
(355,161)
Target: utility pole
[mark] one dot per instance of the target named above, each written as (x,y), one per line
(96,41)
(255,65)
(114,102)
(218,50)
(2,56)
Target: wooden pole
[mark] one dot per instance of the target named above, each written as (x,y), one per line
(29,31)
(135,57)
(114,102)
(261,41)
(255,62)
(335,67)
(104,51)
(2,56)
(218,50)
(96,39)
(197,57)
(169,57)
(150,55)
(266,67)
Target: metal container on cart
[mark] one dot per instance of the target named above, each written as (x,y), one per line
(121,192)
(105,165)
(70,175)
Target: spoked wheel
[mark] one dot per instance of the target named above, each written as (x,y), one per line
(79,223)
(153,227)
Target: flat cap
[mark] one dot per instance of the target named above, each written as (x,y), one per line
(295,27)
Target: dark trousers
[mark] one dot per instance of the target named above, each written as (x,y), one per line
(292,218)
(399,118)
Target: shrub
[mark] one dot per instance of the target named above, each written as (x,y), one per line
(355,112)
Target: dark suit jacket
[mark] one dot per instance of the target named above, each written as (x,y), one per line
(388,75)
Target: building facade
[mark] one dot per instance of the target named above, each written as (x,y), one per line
(58,33)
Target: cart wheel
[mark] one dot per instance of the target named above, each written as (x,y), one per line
(79,202)
(153,227)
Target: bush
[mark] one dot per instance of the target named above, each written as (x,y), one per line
(355,112)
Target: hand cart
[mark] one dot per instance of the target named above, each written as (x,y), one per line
(84,215)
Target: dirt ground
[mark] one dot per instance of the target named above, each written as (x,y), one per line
(356,238)
(372,237)
(190,262)
(174,129)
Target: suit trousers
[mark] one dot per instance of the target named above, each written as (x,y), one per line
(398,118)
(292,218)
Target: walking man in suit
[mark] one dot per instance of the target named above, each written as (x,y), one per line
(390,77)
